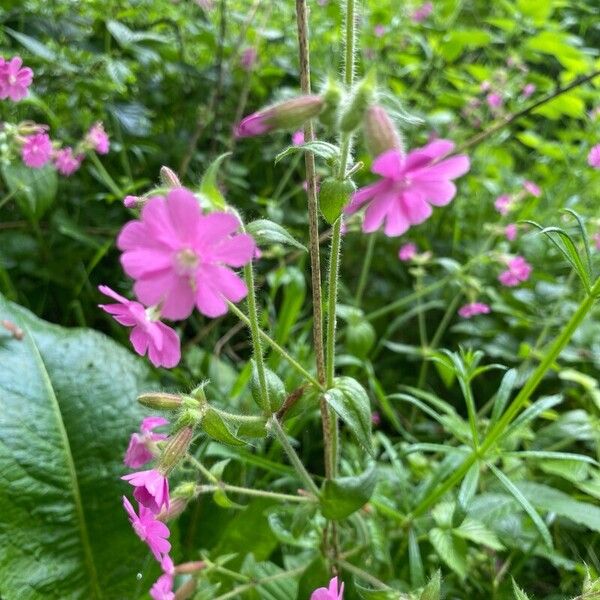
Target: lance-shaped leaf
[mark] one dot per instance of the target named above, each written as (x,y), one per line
(342,496)
(267,232)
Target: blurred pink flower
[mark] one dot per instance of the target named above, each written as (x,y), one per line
(138,452)
(407,252)
(421,13)
(66,162)
(518,271)
(151,489)
(379,30)
(494,100)
(298,137)
(163,588)
(409,185)
(528,90)
(248,58)
(14,80)
(375,418)
(532,188)
(596,239)
(148,333)
(149,530)
(36,150)
(474,308)
(180,257)
(502,204)
(97,138)
(330,593)
(593,158)
(510,231)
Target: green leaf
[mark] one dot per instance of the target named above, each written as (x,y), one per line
(343,496)
(433,589)
(451,551)
(518,592)
(208,183)
(502,396)
(68,410)
(215,427)
(266,232)
(476,531)
(272,588)
(275,388)
(415,562)
(325,150)
(34,46)
(531,413)
(369,594)
(34,189)
(350,401)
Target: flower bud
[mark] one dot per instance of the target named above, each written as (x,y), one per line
(169,178)
(290,114)
(187,589)
(185,490)
(175,450)
(190,567)
(176,507)
(359,102)
(333,196)
(160,401)
(380,132)
(333,96)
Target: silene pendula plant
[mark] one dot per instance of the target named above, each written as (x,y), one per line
(189,252)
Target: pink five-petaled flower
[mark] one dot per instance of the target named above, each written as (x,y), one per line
(518,271)
(494,100)
(421,13)
(410,184)
(180,257)
(138,452)
(149,529)
(98,139)
(510,231)
(407,252)
(151,489)
(502,204)
(532,188)
(66,162)
(14,80)
(148,333)
(36,150)
(474,308)
(593,158)
(330,593)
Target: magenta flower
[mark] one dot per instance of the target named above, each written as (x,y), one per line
(379,30)
(98,139)
(330,593)
(494,100)
(409,185)
(474,308)
(248,58)
(518,271)
(375,418)
(180,257)
(66,162)
(502,204)
(151,489)
(528,90)
(149,530)
(138,452)
(163,588)
(421,13)
(407,252)
(298,137)
(36,150)
(148,333)
(593,158)
(532,188)
(510,231)
(14,80)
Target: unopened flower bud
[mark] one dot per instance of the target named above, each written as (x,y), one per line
(190,567)
(333,196)
(187,589)
(169,178)
(160,401)
(185,491)
(175,450)
(176,507)
(333,96)
(359,102)
(290,114)
(380,132)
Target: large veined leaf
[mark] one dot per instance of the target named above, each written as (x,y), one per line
(67,407)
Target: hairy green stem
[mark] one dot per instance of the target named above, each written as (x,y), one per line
(235,489)
(362,574)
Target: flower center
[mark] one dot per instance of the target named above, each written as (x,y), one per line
(186,261)
(12,79)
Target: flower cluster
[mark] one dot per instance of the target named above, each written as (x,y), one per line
(517,272)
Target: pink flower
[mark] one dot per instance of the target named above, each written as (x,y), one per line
(65,162)
(502,204)
(407,252)
(410,184)
(532,188)
(375,418)
(298,137)
(97,138)
(180,257)
(494,100)
(138,452)
(248,58)
(36,150)
(151,489)
(149,530)
(148,333)
(528,90)
(593,158)
(518,271)
(421,13)
(163,588)
(379,30)
(474,308)
(596,239)
(510,231)
(330,593)
(14,80)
